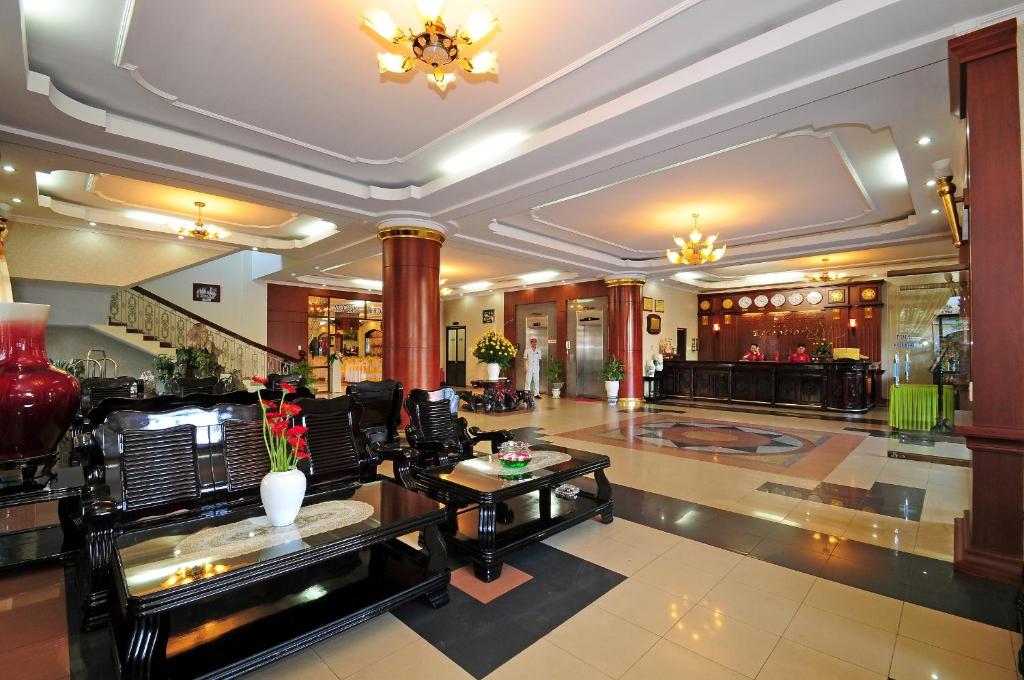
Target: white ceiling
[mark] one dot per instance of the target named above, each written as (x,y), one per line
(789,125)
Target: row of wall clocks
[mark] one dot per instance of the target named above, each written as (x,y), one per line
(835,296)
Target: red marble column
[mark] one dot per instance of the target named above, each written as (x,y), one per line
(625,339)
(412,304)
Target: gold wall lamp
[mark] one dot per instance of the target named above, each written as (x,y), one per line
(946,191)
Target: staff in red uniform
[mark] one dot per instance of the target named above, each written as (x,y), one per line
(754,354)
(800,356)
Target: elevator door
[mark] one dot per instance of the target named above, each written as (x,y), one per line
(590,354)
(455,356)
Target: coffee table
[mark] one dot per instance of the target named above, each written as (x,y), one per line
(218,597)
(514,508)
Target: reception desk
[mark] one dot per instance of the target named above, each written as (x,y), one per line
(849,386)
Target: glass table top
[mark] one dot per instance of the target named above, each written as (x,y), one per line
(482,472)
(166,557)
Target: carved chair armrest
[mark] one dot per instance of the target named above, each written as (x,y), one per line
(495,437)
(391,451)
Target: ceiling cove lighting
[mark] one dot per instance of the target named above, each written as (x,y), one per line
(435,47)
(538,277)
(477,286)
(368,283)
(200,231)
(8,167)
(482,152)
(696,250)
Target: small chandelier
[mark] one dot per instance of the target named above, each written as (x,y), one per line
(434,46)
(697,250)
(825,276)
(198,230)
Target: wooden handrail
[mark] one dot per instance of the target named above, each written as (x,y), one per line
(206,322)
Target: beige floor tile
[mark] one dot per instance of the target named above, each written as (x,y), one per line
(304,665)
(842,638)
(419,660)
(915,660)
(704,557)
(890,532)
(647,606)
(723,639)
(365,644)
(935,540)
(956,634)
(792,661)
(771,578)
(544,661)
(813,516)
(756,607)
(687,582)
(640,536)
(770,506)
(611,554)
(854,603)
(582,533)
(603,640)
(669,661)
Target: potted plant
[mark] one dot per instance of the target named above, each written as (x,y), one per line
(554,372)
(612,374)
(283,488)
(495,351)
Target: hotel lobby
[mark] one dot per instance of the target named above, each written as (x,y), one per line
(492,340)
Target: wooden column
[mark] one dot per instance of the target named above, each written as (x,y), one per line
(625,339)
(984,89)
(412,303)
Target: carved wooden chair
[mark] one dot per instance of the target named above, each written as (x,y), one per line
(183,387)
(337,447)
(382,409)
(95,390)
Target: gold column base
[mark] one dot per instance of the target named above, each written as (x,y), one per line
(630,403)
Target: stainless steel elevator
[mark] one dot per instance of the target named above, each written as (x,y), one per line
(588,335)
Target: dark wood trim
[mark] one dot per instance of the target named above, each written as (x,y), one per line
(206,322)
(938,269)
(976,45)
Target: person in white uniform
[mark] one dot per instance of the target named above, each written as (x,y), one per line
(532,356)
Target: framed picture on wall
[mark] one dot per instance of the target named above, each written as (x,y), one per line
(653,324)
(488,316)
(694,345)
(206,292)
(648,304)
(659,306)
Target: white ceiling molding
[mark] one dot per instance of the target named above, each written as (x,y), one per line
(236,239)
(127,232)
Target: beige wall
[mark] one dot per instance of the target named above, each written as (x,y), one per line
(680,312)
(468,311)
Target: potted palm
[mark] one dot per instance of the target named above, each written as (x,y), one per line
(612,374)
(283,488)
(496,351)
(554,372)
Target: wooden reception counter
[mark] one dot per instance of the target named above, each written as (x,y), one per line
(849,386)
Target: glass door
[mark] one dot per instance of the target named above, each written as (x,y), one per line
(455,356)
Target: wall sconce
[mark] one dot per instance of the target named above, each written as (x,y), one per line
(716,328)
(853,325)
(946,191)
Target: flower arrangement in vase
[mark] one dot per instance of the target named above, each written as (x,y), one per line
(283,488)
(496,351)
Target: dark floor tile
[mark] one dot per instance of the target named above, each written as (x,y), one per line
(733,539)
(934,584)
(876,558)
(785,490)
(859,575)
(785,556)
(788,538)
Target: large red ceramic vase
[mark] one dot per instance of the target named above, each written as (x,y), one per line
(37,401)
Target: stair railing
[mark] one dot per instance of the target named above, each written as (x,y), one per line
(160,320)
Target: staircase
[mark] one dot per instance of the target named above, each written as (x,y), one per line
(157,326)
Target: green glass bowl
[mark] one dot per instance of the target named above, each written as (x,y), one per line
(514,464)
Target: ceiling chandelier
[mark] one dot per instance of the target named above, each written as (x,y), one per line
(199,230)
(697,250)
(825,276)
(434,46)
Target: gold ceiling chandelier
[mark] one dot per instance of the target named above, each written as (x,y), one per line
(199,230)
(697,250)
(825,275)
(434,46)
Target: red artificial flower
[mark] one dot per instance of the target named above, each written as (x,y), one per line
(257,379)
(297,431)
(291,409)
(300,453)
(287,388)
(268,404)
(275,415)
(278,427)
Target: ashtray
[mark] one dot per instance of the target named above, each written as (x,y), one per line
(514,459)
(567,491)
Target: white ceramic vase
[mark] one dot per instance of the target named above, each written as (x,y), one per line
(611,388)
(282,494)
(493,371)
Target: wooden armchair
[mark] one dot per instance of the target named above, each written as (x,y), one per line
(183,387)
(382,409)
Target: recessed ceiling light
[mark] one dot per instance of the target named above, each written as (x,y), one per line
(935,211)
(92,224)
(255,248)
(8,168)
(15,200)
(293,274)
(930,183)
(477,286)
(924,141)
(181,237)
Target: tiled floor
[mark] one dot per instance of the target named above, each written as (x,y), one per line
(823,558)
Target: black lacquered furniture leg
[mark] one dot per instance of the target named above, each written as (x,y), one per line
(604,493)
(545,502)
(147,646)
(437,562)
(487,569)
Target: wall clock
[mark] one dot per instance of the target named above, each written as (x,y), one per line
(868,294)
(778,299)
(727,303)
(814,297)
(761,300)
(745,302)
(705,305)
(795,299)
(837,295)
